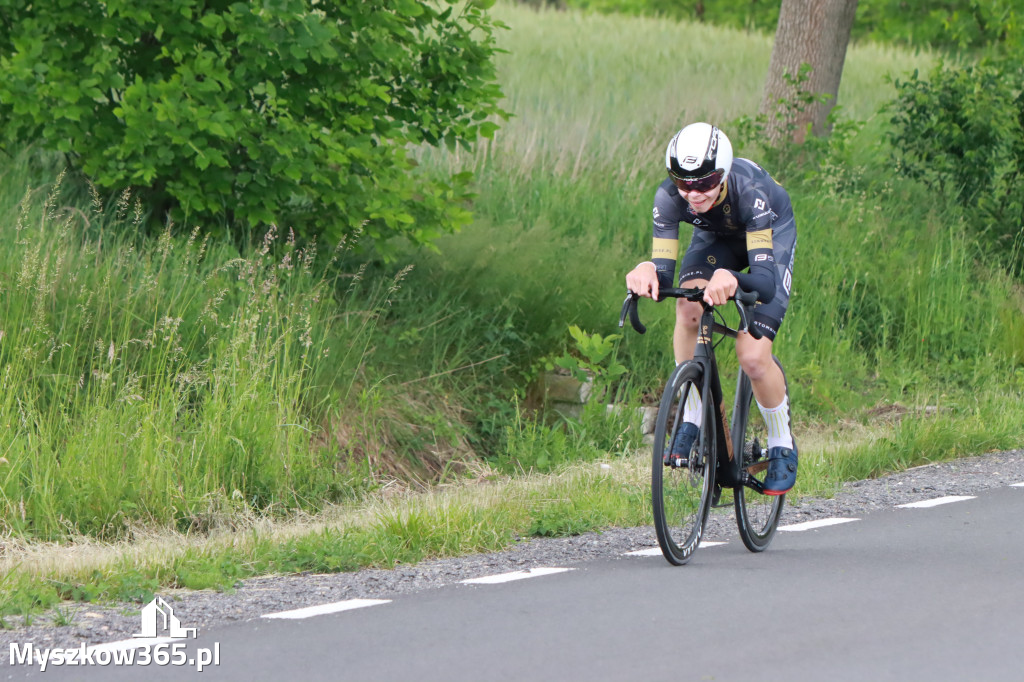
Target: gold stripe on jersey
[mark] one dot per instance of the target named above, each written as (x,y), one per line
(668,248)
(762,239)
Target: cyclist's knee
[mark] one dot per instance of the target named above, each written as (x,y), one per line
(688,313)
(755,357)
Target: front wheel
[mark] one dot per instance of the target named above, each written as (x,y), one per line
(681,495)
(757,515)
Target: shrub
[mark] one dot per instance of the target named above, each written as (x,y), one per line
(962,131)
(296,112)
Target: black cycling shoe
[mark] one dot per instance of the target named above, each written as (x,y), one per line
(781,475)
(679,453)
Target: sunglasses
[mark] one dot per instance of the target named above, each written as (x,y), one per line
(702,184)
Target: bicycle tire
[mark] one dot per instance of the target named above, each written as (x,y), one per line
(681,497)
(757,515)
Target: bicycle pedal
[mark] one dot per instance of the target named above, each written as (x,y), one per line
(757,467)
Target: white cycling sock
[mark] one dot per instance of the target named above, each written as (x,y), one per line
(693,410)
(777,419)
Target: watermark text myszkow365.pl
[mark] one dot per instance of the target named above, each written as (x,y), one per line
(159,644)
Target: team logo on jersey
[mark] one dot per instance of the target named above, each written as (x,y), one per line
(726,209)
(712,260)
(656,213)
(762,239)
(759,205)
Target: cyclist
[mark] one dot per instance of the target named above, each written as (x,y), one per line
(741,219)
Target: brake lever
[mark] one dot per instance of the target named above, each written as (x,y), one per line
(630,306)
(744,299)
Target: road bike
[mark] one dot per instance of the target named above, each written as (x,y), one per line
(723,456)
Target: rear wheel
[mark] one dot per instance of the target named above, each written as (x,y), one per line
(681,495)
(757,515)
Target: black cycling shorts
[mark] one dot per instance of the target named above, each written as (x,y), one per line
(708,252)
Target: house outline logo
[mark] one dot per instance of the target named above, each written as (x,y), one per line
(158,612)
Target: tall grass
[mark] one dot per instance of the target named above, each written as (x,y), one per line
(182,383)
(150,383)
(596,95)
(178,382)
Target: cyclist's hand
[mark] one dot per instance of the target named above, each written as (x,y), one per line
(643,280)
(723,285)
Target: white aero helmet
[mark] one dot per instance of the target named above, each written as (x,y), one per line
(699,157)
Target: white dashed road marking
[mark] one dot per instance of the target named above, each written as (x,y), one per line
(514,575)
(650,551)
(656,551)
(924,504)
(811,525)
(136,643)
(1017,485)
(324,609)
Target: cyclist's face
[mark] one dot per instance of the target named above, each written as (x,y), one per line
(700,202)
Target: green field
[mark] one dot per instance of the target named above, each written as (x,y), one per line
(179,412)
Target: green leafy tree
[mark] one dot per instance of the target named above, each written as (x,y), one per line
(239,114)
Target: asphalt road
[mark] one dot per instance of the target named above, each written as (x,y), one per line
(903,594)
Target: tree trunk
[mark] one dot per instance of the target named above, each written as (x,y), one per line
(813,32)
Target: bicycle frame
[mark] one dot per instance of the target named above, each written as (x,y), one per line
(729,466)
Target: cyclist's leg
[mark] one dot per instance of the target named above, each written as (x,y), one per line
(684,337)
(684,341)
(755,355)
(766,376)
(769,387)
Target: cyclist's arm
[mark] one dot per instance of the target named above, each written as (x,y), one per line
(761,256)
(664,255)
(665,230)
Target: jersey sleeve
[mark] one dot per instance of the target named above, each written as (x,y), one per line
(761,259)
(665,249)
(758,217)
